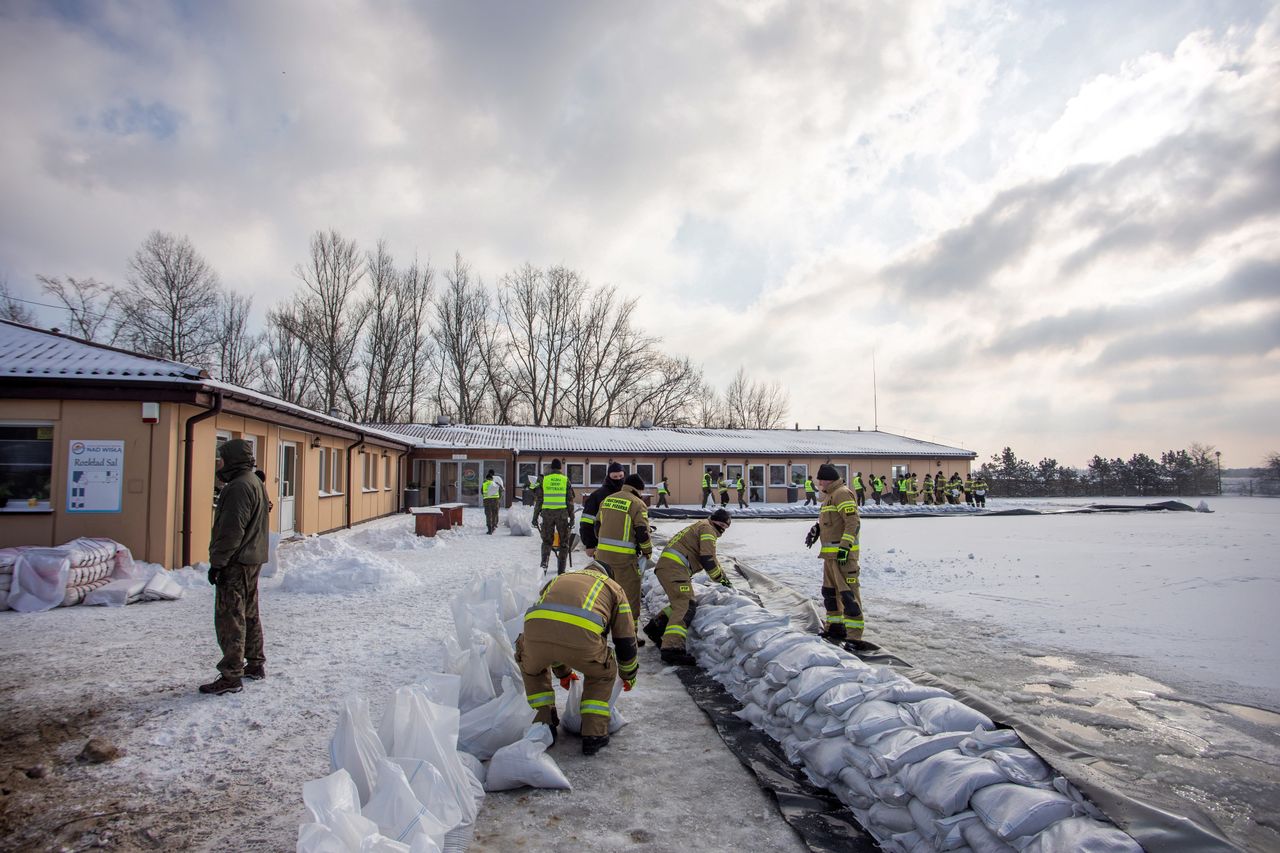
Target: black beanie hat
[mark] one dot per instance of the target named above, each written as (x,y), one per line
(721,516)
(555,464)
(635,481)
(615,468)
(828,472)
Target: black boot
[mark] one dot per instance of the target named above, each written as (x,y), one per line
(835,633)
(222,685)
(678,657)
(592,745)
(653,631)
(255,671)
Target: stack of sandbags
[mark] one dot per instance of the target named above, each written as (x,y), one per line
(8,556)
(920,770)
(94,563)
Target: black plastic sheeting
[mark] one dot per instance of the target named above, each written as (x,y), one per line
(871,512)
(820,819)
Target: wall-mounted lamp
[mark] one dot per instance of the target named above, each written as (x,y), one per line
(690,461)
(315,441)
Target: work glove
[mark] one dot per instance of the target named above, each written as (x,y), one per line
(812,536)
(568,679)
(726,583)
(842,555)
(627,684)
(214,572)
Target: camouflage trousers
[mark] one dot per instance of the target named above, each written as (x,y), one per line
(235,619)
(491,514)
(555,521)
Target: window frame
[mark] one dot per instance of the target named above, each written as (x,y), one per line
(781,482)
(337,484)
(649,481)
(604,472)
(802,466)
(322,483)
(386,473)
(45,505)
(731,477)
(578,480)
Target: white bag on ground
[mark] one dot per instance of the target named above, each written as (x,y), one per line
(421,729)
(571,719)
(162,587)
(355,746)
(336,792)
(520,520)
(117,593)
(501,721)
(476,687)
(526,762)
(1083,834)
(397,812)
(432,790)
(39,580)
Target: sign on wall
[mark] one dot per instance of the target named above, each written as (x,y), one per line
(95,476)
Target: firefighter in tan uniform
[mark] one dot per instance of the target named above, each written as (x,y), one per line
(622,537)
(566,631)
(837,532)
(688,552)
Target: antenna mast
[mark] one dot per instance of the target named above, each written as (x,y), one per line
(875,401)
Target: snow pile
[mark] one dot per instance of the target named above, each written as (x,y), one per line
(520,520)
(920,770)
(328,564)
(394,539)
(415,783)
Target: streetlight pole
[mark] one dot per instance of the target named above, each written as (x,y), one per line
(1218,454)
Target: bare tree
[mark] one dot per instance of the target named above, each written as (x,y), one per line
(328,317)
(239,356)
(539,311)
(754,405)
(417,285)
(284,361)
(169,305)
(608,358)
(710,410)
(91,306)
(11,309)
(384,359)
(670,394)
(500,384)
(460,309)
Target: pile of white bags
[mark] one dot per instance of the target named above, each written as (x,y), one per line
(83,571)
(920,770)
(415,783)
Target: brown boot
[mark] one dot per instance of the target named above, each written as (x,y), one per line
(255,671)
(222,685)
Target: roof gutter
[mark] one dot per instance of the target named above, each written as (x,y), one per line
(188,460)
(351,480)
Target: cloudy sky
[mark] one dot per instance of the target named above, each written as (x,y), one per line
(1056,224)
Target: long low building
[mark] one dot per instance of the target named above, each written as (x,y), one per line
(772,463)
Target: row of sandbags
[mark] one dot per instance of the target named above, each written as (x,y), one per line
(82,571)
(415,782)
(920,770)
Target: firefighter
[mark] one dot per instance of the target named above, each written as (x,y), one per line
(706,488)
(939,489)
(622,538)
(910,490)
(837,533)
(877,487)
(810,494)
(980,491)
(688,552)
(491,490)
(968,489)
(926,491)
(565,631)
(723,486)
(953,488)
(742,493)
(555,504)
(591,506)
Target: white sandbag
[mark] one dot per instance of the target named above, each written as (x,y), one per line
(907,746)
(423,844)
(1082,835)
(514,628)
(571,719)
(397,812)
(318,838)
(500,655)
(926,819)
(162,587)
(76,594)
(945,714)
(475,687)
(422,729)
(520,520)
(443,688)
(815,681)
(271,566)
(826,756)
(908,842)
(116,593)
(902,690)
(890,790)
(856,780)
(871,719)
(477,767)
(841,698)
(982,840)
(750,625)
(39,580)
(891,819)
(433,790)
(501,721)
(1013,811)
(336,792)
(355,746)
(1020,765)
(382,844)
(798,658)
(979,742)
(526,762)
(351,830)
(951,828)
(944,782)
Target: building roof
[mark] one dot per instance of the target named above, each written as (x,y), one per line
(692,442)
(35,354)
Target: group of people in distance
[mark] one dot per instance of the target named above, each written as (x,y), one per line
(908,489)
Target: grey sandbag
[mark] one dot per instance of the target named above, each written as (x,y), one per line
(944,782)
(1013,811)
(945,714)
(1082,835)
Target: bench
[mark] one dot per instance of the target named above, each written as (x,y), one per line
(452,514)
(427,520)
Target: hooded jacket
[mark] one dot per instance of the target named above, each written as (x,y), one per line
(240,522)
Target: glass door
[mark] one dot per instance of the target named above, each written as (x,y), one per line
(470,486)
(288,485)
(446,482)
(755,484)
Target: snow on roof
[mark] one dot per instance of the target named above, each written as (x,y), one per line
(623,440)
(30,353)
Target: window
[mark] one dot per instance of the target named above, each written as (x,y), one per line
(844,472)
(714,471)
(526,473)
(324,472)
(366,471)
(386,472)
(575,472)
(26,467)
(645,470)
(734,472)
(598,472)
(799,473)
(777,475)
(336,484)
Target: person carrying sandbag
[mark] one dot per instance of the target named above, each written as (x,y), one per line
(566,631)
(837,532)
(687,553)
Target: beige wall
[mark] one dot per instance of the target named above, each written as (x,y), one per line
(150,520)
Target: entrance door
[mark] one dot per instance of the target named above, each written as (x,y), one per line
(470,485)
(446,482)
(288,485)
(755,484)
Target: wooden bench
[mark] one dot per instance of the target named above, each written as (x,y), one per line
(427,520)
(452,514)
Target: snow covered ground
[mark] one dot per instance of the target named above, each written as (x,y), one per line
(1148,639)
(1104,648)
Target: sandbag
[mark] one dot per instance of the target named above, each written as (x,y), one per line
(944,782)
(421,729)
(162,587)
(475,687)
(355,746)
(1083,835)
(493,725)
(520,520)
(336,792)
(945,714)
(397,812)
(872,718)
(433,790)
(526,762)
(39,580)
(1013,811)
(116,593)
(571,719)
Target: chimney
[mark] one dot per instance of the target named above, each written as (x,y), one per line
(797,426)
(334,413)
(819,427)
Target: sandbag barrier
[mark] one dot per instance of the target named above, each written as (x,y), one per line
(415,783)
(792,511)
(83,571)
(919,770)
